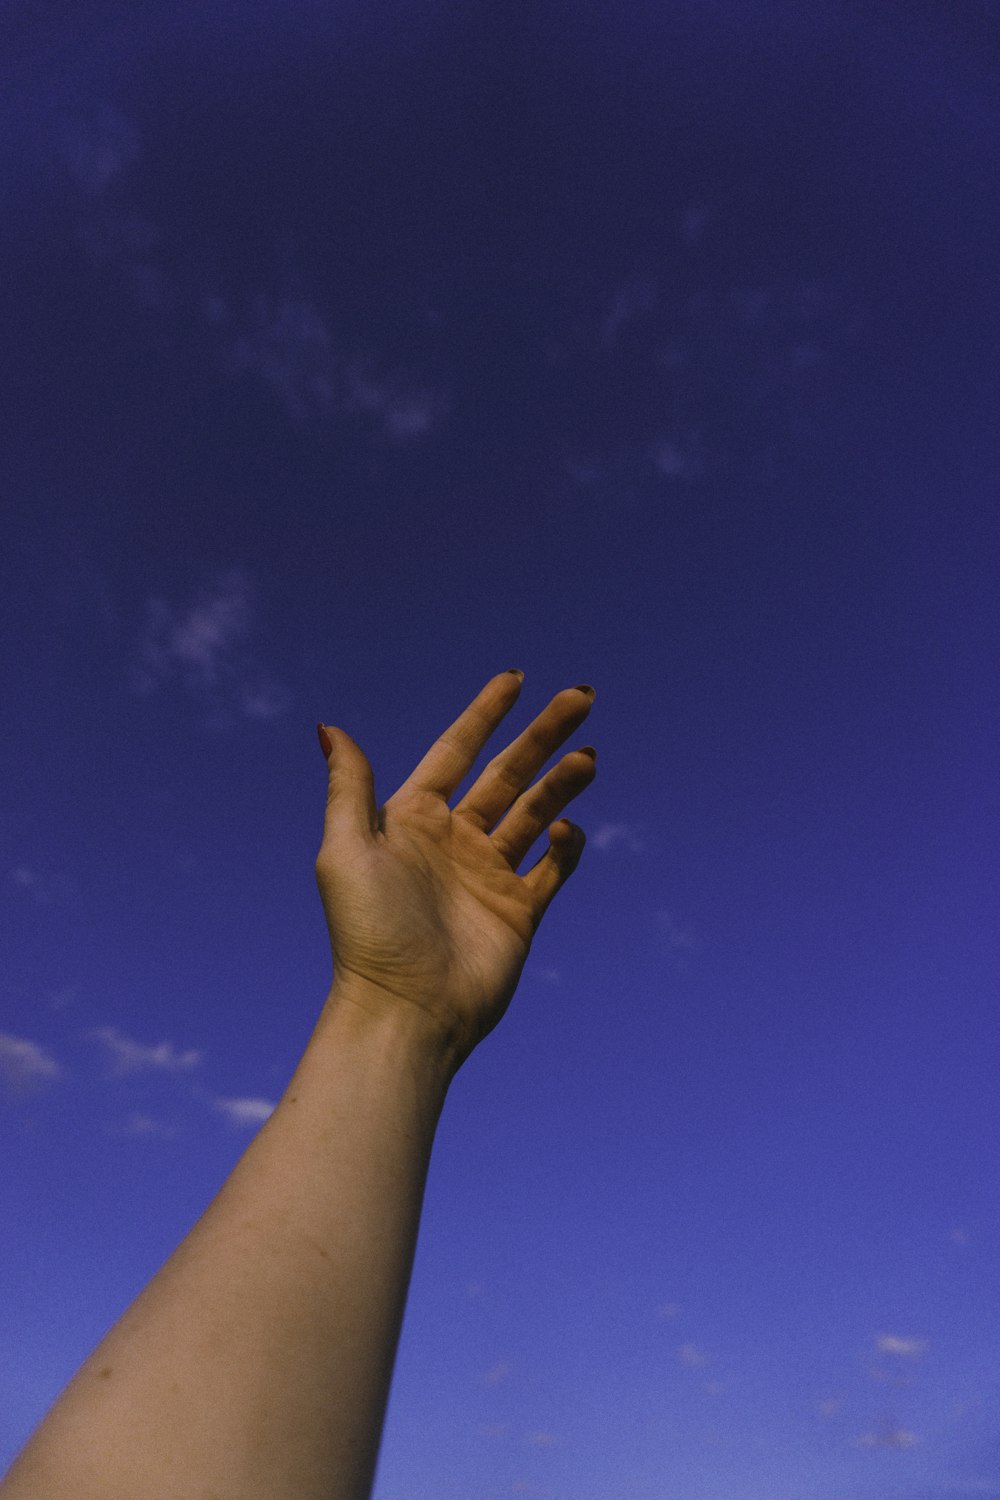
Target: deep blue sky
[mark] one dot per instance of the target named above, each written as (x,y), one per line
(354,353)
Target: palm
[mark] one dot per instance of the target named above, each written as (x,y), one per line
(423,901)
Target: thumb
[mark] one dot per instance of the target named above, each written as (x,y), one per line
(350,801)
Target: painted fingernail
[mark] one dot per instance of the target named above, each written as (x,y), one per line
(516,672)
(585,687)
(325,742)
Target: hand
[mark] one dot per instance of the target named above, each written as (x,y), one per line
(423,902)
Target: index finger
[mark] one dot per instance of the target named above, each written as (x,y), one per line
(453,754)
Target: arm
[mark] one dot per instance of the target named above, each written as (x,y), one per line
(258,1359)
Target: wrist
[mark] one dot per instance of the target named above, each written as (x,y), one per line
(391,1032)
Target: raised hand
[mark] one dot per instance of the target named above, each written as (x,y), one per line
(427,914)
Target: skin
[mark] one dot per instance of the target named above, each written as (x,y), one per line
(258,1360)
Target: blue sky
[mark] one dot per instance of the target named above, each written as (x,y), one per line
(355,353)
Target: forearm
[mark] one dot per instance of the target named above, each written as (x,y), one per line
(258,1360)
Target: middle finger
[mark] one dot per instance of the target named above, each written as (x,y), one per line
(509,772)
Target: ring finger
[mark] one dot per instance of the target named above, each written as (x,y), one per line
(536,808)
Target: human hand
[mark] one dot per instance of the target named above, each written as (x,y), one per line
(427,915)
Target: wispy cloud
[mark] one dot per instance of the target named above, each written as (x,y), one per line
(678,937)
(404,409)
(631,301)
(693,222)
(668,1311)
(246,1112)
(128,1056)
(676,458)
(692,1356)
(906,1348)
(96,146)
(606,835)
(37,886)
(24,1064)
(23,878)
(498,1373)
(203,644)
(286,342)
(126,242)
(888,1437)
(543,1439)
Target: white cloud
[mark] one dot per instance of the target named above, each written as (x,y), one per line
(202,643)
(690,1355)
(200,638)
(129,1056)
(890,1343)
(609,834)
(888,1437)
(245,1112)
(24,1064)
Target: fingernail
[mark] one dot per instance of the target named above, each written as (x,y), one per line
(585,687)
(325,742)
(516,672)
(589,750)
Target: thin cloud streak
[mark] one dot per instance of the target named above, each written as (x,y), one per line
(889,1343)
(891,1437)
(128,1056)
(608,834)
(23,1063)
(246,1112)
